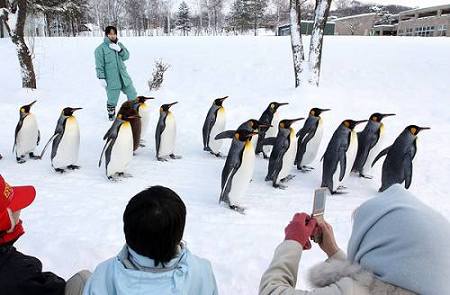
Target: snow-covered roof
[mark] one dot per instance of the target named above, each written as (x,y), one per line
(425,9)
(356,16)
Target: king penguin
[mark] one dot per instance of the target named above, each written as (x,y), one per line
(370,141)
(398,166)
(238,169)
(214,124)
(340,155)
(27,135)
(166,133)
(141,106)
(283,154)
(269,117)
(66,142)
(309,138)
(118,149)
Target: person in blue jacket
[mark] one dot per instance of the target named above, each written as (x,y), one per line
(154,259)
(111,70)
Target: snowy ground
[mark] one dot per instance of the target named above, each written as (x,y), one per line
(76,220)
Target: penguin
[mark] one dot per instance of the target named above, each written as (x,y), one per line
(127,109)
(238,169)
(249,125)
(66,142)
(27,135)
(214,124)
(369,142)
(398,166)
(283,155)
(166,132)
(140,105)
(118,149)
(309,138)
(269,117)
(340,155)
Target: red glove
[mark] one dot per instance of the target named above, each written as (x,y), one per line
(300,229)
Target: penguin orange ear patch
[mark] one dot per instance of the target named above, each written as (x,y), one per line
(272,106)
(119,116)
(22,110)
(281,125)
(236,135)
(313,113)
(413,130)
(346,124)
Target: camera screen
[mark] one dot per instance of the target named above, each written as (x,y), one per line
(319,201)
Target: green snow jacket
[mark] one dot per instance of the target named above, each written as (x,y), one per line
(110,65)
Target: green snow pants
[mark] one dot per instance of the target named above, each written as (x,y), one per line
(113,94)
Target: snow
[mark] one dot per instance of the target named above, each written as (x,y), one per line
(76,219)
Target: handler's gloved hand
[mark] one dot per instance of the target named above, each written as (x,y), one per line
(115,47)
(102,83)
(300,229)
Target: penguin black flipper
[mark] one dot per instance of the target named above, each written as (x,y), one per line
(232,165)
(408,167)
(366,142)
(342,163)
(103,152)
(266,118)
(276,157)
(304,136)
(269,141)
(207,125)
(159,130)
(39,137)
(18,127)
(225,134)
(47,144)
(381,154)
(110,137)
(59,132)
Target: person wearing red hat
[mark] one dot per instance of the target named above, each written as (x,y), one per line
(21,274)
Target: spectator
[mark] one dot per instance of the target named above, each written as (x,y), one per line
(398,246)
(154,259)
(21,274)
(111,70)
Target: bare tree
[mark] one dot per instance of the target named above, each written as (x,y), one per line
(13,15)
(342,4)
(296,40)
(315,47)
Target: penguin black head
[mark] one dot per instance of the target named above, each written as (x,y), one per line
(315,112)
(273,106)
(255,124)
(351,124)
(244,135)
(69,111)
(166,107)
(219,101)
(286,123)
(414,129)
(142,99)
(377,117)
(26,108)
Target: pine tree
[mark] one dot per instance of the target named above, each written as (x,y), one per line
(256,9)
(183,18)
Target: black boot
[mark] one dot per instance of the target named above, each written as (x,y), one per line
(111,112)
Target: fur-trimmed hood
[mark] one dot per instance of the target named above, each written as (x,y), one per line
(334,270)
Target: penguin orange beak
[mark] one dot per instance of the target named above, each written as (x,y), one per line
(295,120)
(424,128)
(32,103)
(173,103)
(387,115)
(223,98)
(76,109)
(283,104)
(324,110)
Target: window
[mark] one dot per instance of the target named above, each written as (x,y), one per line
(424,31)
(442,30)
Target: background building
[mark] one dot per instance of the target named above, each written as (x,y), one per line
(360,24)
(306,27)
(426,22)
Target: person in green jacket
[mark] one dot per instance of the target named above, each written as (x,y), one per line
(111,70)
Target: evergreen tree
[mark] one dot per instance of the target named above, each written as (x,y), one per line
(183,18)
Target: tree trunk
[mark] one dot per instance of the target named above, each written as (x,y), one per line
(296,41)
(315,48)
(23,53)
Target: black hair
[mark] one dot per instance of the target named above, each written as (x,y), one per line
(108,29)
(153,223)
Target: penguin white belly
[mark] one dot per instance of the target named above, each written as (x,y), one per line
(217,128)
(351,153)
(122,150)
(144,113)
(67,153)
(288,157)
(242,177)
(312,147)
(271,132)
(27,136)
(373,153)
(167,144)
(254,141)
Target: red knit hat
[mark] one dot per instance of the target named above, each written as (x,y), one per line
(12,199)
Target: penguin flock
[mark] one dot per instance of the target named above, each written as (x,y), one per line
(347,151)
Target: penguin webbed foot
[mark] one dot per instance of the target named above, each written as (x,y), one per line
(60,170)
(20,160)
(124,175)
(279,186)
(287,178)
(238,209)
(305,169)
(73,167)
(365,176)
(34,157)
(218,155)
(161,159)
(175,157)
(207,149)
